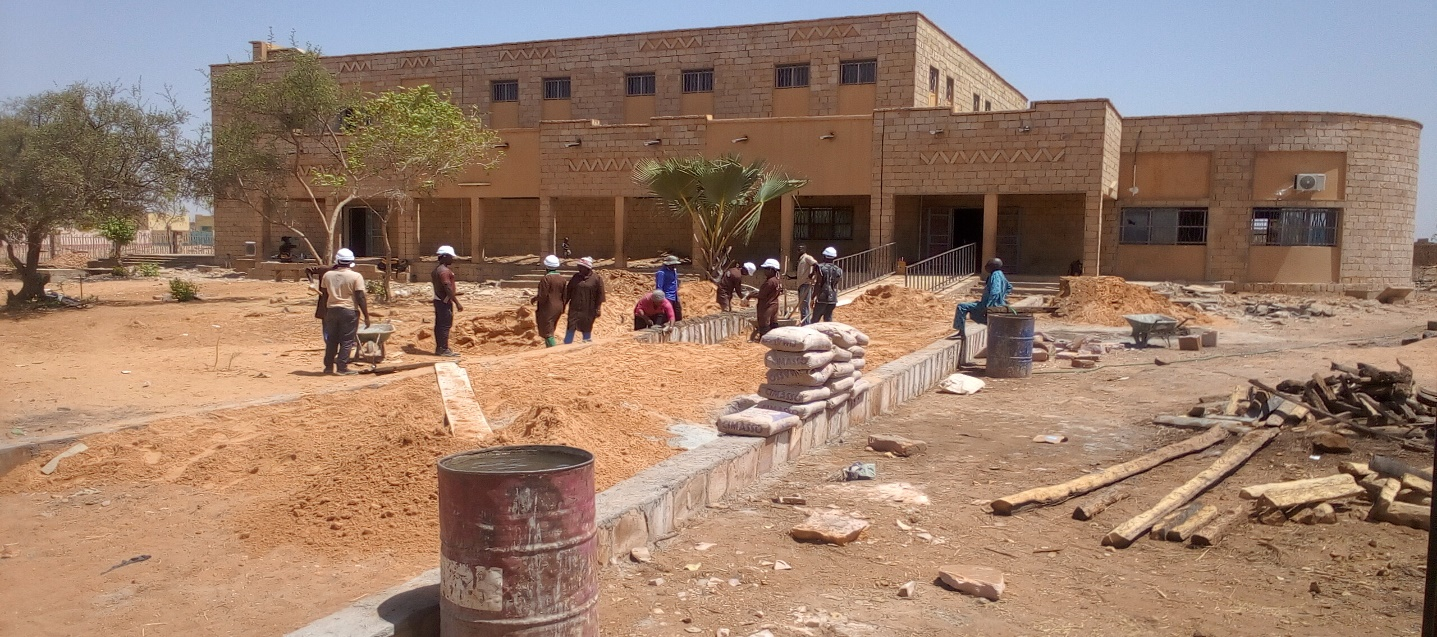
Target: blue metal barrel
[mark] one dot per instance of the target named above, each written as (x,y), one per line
(1010,345)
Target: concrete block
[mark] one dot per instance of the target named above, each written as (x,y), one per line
(744,470)
(1209,338)
(1188,343)
(690,498)
(718,483)
(659,515)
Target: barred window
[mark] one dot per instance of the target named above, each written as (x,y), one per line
(640,84)
(987,105)
(505,90)
(948,94)
(858,72)
(1164,226)
(977,101)
(699,81)
(933,80)
(556,88)
(1294,226)
(790,75)
(823,223)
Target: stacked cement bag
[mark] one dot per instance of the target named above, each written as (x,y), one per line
(848,343)
(810,369)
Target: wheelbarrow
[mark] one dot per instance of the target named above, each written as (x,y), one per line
(371,342)
(1146,326)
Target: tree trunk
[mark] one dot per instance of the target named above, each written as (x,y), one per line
(32,281)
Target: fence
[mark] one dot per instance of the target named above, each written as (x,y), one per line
(942,270)
(146,242)
(862,268)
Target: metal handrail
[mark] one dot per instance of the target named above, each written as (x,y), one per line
(862,268)
(942,270)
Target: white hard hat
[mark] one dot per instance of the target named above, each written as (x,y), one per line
(587,262)
(830,252)
(443,250)
(345,255)
(551,262)
(749,267)
(772,264)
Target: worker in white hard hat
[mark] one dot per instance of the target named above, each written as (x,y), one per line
(549,301)
(825,286)
(341,296)
(446,300)
(768,296)
(731,285)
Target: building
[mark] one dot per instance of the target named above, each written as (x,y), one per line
(906,138)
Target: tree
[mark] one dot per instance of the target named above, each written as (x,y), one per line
(280,124)
(75,156)
(119,231)
(723,197)
(411,140)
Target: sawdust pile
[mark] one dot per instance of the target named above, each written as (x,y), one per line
(1103,300)
(899,320)
(69,260)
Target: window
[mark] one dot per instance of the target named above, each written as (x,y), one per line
(699,81)
(506,90)
(933,80)
(948,93)
(1294,226)
(1164,226)
(823,223)
(556,88)
(790,75)
(977,101)
(987,105)
(858,72)
(640,84)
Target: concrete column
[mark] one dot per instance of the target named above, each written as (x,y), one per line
(547,243)
(1092,233)
(990,228)
(620,259)
(404,229)
(785,232)
(476,229)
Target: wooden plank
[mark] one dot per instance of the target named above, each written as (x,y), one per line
(1386,509)
(1234,401)
(1213,531)
(1256,491)
(1188,422)
(1160,530)
(1126,533)
(1090,506)
(1043,496)
(1340,486)
(462,414)
(1325,414)
(1194,522)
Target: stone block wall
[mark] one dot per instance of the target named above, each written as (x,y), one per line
(443,222)
(934,48)
(588,222)
(650,228)
(511,226)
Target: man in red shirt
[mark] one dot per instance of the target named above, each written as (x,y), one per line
(654,310)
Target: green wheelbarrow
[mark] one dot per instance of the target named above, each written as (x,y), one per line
(1146,326)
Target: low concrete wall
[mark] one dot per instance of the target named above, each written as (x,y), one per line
(709,330)
(659,500)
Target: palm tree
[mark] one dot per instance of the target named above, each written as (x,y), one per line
(724,197)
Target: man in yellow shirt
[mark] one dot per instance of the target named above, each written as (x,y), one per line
(343,291)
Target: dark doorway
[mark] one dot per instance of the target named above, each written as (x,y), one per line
(362,232)
(947,228)
(968,227)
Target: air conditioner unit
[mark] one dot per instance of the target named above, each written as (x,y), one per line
(1309,182)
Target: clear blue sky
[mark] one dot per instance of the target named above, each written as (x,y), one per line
(1150,58)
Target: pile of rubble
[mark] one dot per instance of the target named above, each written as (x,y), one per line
(1083,352)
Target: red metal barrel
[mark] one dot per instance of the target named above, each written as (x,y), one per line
(517,543)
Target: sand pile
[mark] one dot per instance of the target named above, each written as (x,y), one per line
(899,320)
(69,260)
(1103,300)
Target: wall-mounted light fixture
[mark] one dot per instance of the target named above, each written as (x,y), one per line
(1024,128)
(739,139)
(576,142)
(474,183)
(936,132)
(828,136)
(502,145)
(653,142)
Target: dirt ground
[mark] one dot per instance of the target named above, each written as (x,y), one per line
(1352,578)
(258,519)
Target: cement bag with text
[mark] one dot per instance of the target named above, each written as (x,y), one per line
(842,355)
(804,377)
(756,421)
(841,370)
(796,394)
(805,410)
(796,339)
(841,335)
(776,359)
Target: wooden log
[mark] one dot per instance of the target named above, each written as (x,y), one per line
(1340,486)
(1213,531)
(1325,414)
(1043,496)
(1417,484)
(1394,468)
(1321,388)
(1126,533)
(1194,522)
(1234,401)
(1357,470)
(1387,509)
(1256,491)
(1160,529)
(1188,422)
(1090,506)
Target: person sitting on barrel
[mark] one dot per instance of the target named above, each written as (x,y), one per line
(995,294)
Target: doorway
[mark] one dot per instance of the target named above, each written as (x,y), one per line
(947,228)
(363,232)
